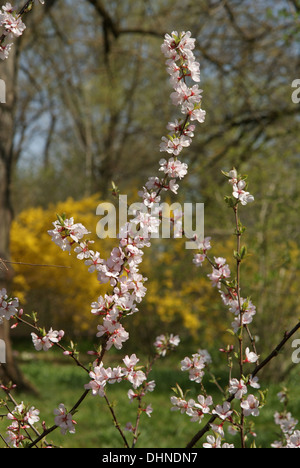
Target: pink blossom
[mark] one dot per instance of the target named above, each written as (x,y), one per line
(130,362)
(174,145)
(8,8)
(239,193)
(64,420)
(194,366)
(94,262)
(163,343)
(218,274)
(204,403)
(4,50)
(216,442)
(66,233)
(148,410)
(83,251)
(253,382)
(294,440)
(114,332)
(174,168)
(237,388)
(32,415)
(250,406)
(47,341)
(223,411)
(8,305)
(99,378)
(250,356)
(13,25)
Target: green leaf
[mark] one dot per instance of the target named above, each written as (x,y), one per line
(243,252)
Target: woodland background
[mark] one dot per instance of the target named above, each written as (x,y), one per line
(87,104)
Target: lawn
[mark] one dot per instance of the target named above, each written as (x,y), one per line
(58,383)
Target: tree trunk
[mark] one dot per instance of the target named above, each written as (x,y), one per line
(9,372)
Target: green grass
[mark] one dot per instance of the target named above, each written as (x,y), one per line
(64,383)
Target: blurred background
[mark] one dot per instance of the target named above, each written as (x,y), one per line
(87,104)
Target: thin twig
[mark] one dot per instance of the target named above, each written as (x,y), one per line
(31,264)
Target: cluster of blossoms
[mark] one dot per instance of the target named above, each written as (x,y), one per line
(120,270)
(8,306)
(12,27)
(100,376)
(287,423)
(196,365)
(64,420)
(181,64)
(21,418)
(46,341)
(164,343)
(204,404)
(182,67)
(238,185)
(244,311)
(220,271)
(239,388)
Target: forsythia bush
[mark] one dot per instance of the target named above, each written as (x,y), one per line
(62,293)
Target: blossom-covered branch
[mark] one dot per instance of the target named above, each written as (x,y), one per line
(12,25)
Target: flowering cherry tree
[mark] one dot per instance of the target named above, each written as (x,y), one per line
(241,397)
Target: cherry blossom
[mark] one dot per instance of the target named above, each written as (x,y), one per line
(286,422)
(250,406)
(253,382)
(66,233)
(64,420)
(5,50)
(136,377)
(194,366)
(21,414)
(179,404)
(219,272)
(114,332)
(163,343)
(99,378)
(83,251)
(174,168)
(223,411)
(47,341)
(216,442)
(13,25)
(204,403)
(8,306)
(237,388)
(250,356)
(240,194)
